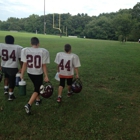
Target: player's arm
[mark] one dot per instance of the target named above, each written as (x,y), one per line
(21,63)
(19,57)
(44,67)
(24,66)
(0,62)
(76,64)
(77,72)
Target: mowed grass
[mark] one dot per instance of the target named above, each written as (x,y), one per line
(106,109)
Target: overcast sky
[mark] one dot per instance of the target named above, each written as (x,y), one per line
(24,8)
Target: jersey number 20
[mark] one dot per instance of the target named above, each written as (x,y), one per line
(34,61)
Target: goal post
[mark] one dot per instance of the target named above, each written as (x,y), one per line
(59,26)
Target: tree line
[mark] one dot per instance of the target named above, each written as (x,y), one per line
(123,24)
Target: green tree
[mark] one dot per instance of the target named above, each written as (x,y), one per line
(136,11)
(100,28)
(32,23)
(123,24)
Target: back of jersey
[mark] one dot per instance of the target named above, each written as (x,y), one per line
(10,55)
(67,63)
(35,57)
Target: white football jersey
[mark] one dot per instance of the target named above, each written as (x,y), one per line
(35,57)
(10,55)
(67,63)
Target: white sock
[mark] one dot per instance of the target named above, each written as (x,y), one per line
(6,87)
(10,93)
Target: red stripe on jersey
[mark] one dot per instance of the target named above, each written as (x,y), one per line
(64,76)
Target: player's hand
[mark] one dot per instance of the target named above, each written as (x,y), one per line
(77,76)
(46,79)
(21,76)
(19,70)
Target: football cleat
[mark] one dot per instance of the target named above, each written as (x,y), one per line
(6,90)
(27,108)
(59,99)
(38,102)
(1,75)
(46,90)
(76,86)
(70,93)
(11,97)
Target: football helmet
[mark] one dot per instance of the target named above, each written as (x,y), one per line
(76,85)
(46,89)
(1,75)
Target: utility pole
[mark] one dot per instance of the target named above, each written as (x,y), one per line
(44,20)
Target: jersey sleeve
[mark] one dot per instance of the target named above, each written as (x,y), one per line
(19,51)
(46,57)
(23,55)
(0,49)
(57,58)
(76,61)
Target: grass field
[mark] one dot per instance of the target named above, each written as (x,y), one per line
(106,109)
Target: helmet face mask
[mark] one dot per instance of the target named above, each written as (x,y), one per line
(46,90)
(41,89)
(76,85)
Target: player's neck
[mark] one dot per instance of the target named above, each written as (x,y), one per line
(34,46)
(68,52)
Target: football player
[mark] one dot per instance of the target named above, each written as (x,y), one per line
(10,58)
(67,62)
(35,59)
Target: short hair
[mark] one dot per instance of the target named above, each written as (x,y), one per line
(34,41)
(67,47)
(9,39)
